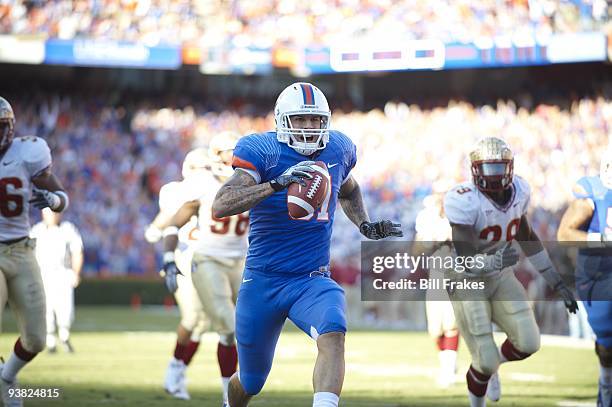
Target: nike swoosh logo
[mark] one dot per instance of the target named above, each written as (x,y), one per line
(246,280)
(8,163)
(331,165)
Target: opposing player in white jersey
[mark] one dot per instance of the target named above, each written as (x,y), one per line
(194,321)
(432,232)
(59,252)
(218,258)
(25,177)
(486,216)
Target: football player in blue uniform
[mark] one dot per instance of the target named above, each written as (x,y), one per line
(589,218)
(287,267)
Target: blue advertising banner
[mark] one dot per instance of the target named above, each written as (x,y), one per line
(111,54)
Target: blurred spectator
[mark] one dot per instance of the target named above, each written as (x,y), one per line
(297,23)
(113,159)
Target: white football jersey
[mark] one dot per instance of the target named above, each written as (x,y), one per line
(55,245)
(494,224)
(226,237)
(25,158)
(171,197)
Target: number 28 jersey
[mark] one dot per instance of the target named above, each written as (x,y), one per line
(494,224)
(25,158)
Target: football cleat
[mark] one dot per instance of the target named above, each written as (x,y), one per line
(68,346)
(175,382)
(8,390)
(494,388)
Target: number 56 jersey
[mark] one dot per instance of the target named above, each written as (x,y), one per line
(25,158)
(218,237)
(494,224)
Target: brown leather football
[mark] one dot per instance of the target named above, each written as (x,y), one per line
(303,201)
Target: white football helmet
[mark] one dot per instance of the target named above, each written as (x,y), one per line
(195,161)
(220,151)
(605,170)
(302,99)
(7,124)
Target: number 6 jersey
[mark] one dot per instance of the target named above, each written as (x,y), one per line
(25,158)
(494,224)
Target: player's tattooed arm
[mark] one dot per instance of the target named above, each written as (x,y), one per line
(239,194)
(181,217)
(351,201)
(577,215)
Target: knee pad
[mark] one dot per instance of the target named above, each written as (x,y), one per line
(252,384)
(34,343)
(487,359)
(604,354)
(227,339)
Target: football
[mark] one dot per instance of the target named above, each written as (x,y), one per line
(303,201)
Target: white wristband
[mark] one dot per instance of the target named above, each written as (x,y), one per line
(540,261)
(594,237)
(168,257)
(60,195)
(170,231)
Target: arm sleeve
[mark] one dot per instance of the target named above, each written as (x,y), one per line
(37,156)
(460,208)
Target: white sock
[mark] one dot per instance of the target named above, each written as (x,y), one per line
(605,375)
(325,399)
(51,341)
(64,334)
(448,361)
(476,401)
(225,383)
(12,367)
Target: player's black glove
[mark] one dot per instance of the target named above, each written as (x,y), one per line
(380,230)
(41,198)
(295,173)
(567,296)
(170,272)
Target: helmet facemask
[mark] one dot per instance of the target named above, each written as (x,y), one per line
(493,175)
(304,141)
(221,165)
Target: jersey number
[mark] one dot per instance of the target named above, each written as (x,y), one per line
(221,226)
(496,231)
(11,205)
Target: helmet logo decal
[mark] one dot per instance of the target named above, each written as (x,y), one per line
(308,94)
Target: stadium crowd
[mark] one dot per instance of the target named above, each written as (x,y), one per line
(113,160)
(296,23)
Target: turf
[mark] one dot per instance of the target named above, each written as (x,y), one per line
(122,354)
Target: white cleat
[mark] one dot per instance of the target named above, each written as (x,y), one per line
(175,382)
(8,391)
(494,388)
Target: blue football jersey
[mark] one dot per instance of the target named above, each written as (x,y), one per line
(277,243)
(601,222)
(595,260)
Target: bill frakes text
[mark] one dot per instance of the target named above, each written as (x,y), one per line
(425,284)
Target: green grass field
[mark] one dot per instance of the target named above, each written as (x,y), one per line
(122,354)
